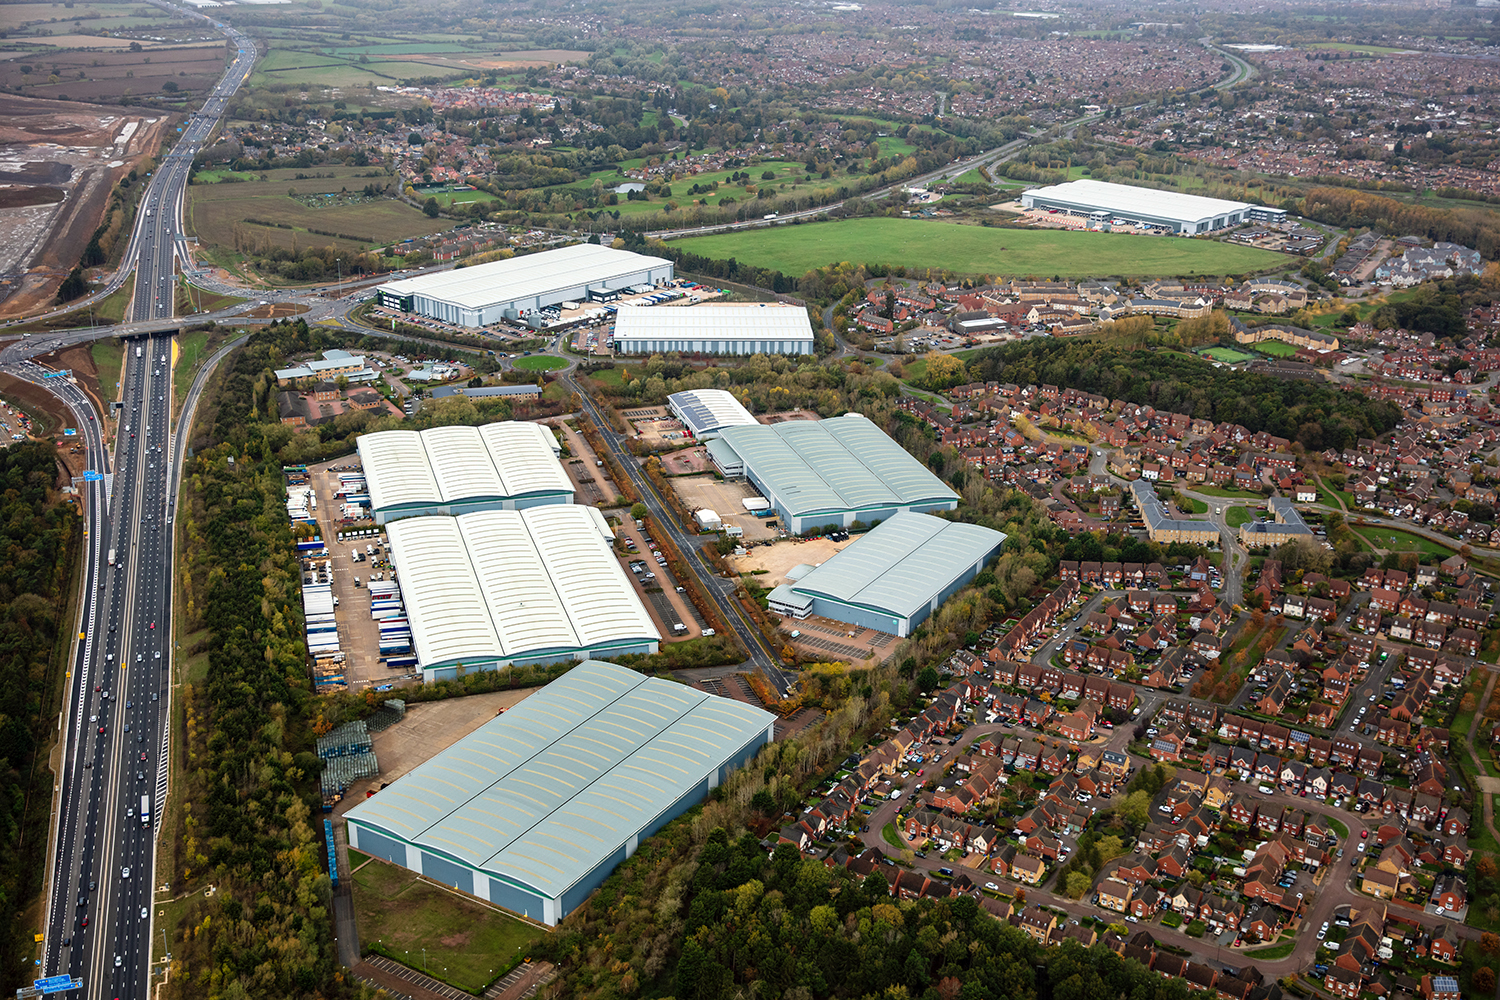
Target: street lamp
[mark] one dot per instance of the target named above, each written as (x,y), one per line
(340,262)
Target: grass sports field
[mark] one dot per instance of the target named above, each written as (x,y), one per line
(1228,355)
(796,250)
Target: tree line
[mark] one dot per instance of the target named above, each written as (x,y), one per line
(1317,415)
(39,538)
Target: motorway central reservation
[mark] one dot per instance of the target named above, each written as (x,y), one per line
(895,576)
(534,809)
(1184,214)
(514,289)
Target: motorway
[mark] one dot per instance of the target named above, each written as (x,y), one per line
(115,733)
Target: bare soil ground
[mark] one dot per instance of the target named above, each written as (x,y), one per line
(275,310)
(428,729)
(785,415)
(687,460)
(80,150)
(777,559)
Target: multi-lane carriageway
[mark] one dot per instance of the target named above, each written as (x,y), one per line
(99,916)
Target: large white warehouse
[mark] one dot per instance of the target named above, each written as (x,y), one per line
(508,465)
(498,588)
(535,808)
(753,328)
(511,289)
(1188,214)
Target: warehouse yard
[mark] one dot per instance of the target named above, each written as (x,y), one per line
(428,729)
(776,560)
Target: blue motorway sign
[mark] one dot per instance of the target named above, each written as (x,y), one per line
(53,984)
(90,476)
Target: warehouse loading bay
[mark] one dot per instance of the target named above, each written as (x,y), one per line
(359,634)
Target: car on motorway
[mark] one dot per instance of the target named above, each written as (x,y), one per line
(125,872)
(144,913)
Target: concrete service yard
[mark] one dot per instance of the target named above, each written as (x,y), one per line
(777,559)
(723,498)
(429,727)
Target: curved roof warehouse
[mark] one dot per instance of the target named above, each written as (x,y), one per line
(497,588)
(536,807)
(508,465)
(706,412)
(829,472)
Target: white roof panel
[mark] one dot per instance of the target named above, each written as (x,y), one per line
(442,596)
(522,455)
(451,453)
(754,321)
(396,469)
(1127,199)
(526,276)
(506,583)
(446,465)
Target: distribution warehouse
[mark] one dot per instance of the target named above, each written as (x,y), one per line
(508,465)
(753,328)
(533,810)
(499,588)
(818,473)
(892,578)
(514,288)
(706,412)
(1188,214)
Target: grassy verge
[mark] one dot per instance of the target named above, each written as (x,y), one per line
(450,937)
(110,309)
(1281,950)
(892,837)
(1396,540)
(1193,505)
(538,363)
(1218,491)
(192,300)
(191,349)
(1339,828)
(1236,516)
(1479,834)
(109,357)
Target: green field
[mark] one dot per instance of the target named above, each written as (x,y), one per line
(1236,516)
(1276,348)
(1396,540)
(417,923)
(214,210)
(1372,50)
(1228,355)
(978,250)
(538,363)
